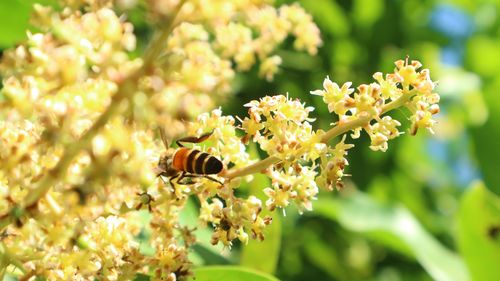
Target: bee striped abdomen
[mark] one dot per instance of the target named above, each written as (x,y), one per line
(179,158)
(191,161)
(212,165)
(196,162)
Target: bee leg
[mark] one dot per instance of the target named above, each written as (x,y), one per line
(183,175)
(212,179)
(199,176)
(162,179)
(176,177)
(171,180)
(193,139)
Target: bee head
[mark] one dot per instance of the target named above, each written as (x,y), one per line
(165,167)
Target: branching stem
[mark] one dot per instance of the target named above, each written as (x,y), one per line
(337,130)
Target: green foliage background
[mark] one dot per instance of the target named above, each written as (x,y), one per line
(428,209)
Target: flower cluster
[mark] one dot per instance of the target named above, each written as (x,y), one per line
(405,87)
(282,128)
(79,148)
(78,134)
(300,157)
(333,164)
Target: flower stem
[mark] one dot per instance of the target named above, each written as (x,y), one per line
(251,169)
(330,134)
(71,151)
(159,41)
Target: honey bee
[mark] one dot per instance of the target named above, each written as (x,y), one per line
(187,162)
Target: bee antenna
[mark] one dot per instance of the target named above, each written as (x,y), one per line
(163,136)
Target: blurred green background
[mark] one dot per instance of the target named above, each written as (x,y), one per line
(428,208)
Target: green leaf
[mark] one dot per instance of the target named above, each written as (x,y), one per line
(395,227)
(486,137)
(142,277)
(262,255)
(479,232)
(229,273)
(367,12)
(298,61)
(14,17)
(323,256)
(329,16)
(203,247)
(480,47)
(14,20)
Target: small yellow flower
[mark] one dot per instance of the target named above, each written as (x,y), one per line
(270,67)
(382,131)
(337,98)
(303,28)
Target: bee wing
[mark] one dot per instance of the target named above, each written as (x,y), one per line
(194,139)
(163,136)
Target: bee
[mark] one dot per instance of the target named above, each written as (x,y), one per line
(187,162)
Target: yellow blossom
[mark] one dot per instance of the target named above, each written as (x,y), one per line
(80,151)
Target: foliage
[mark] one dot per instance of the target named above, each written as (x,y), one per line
(479,219)
(84,93)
